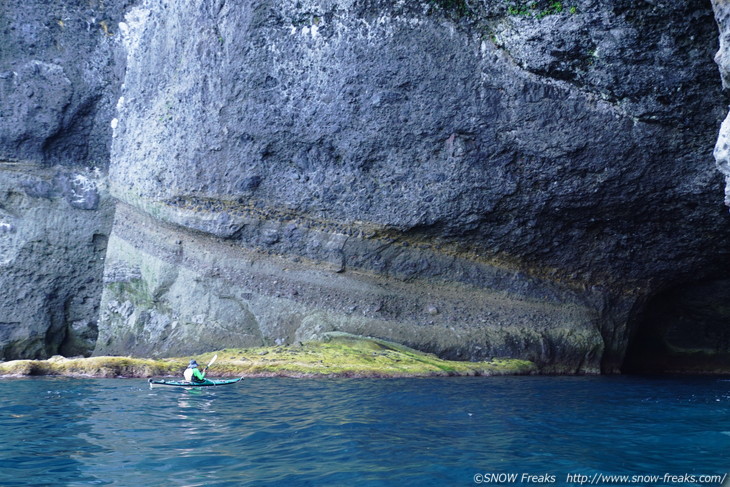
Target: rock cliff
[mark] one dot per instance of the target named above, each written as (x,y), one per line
(474,179)
(60,72)
(471,180)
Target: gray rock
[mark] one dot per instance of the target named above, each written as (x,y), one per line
(51,259)
(59,82)
(459,177)
(560,161)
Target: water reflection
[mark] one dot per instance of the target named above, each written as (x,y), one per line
(60,407)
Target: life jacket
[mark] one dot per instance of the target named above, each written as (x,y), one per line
(189,375)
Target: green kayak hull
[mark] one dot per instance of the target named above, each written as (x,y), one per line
(181,383)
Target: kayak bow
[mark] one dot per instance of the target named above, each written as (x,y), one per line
(183,383)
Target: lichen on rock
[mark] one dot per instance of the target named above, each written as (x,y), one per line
(337,355)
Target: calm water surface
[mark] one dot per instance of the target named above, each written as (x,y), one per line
(356,432)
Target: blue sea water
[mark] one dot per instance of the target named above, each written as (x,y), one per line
(363,432)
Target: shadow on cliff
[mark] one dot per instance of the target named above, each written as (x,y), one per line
(685,329)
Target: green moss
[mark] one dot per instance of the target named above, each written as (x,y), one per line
(135,290)
(347,355)
(340,354)
(92,367)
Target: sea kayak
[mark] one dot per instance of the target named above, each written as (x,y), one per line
(183,383)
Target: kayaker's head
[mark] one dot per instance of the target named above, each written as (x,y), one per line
(193,364)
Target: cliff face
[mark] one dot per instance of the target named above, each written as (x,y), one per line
(473,179)
(468,180)
(59,81)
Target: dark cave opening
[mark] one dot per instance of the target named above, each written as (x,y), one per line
(685,329)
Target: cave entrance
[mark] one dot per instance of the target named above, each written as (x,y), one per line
(685,329)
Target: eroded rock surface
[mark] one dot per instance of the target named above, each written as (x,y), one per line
(60,72)
(469,183)
(473,179)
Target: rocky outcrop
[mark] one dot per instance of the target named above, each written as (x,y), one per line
(59,79)
(171,292)
(471,180)
(54,226)
(722,58)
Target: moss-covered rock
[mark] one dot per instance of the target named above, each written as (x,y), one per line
(92,367)
(340,354)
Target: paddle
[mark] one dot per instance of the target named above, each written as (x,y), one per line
(215,357)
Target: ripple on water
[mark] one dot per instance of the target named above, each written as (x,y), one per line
(372,432)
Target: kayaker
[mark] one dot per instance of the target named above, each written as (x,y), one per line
(193,374)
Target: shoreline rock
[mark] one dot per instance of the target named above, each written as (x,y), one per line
(340,355)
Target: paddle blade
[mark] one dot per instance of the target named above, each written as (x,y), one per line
(215,357)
